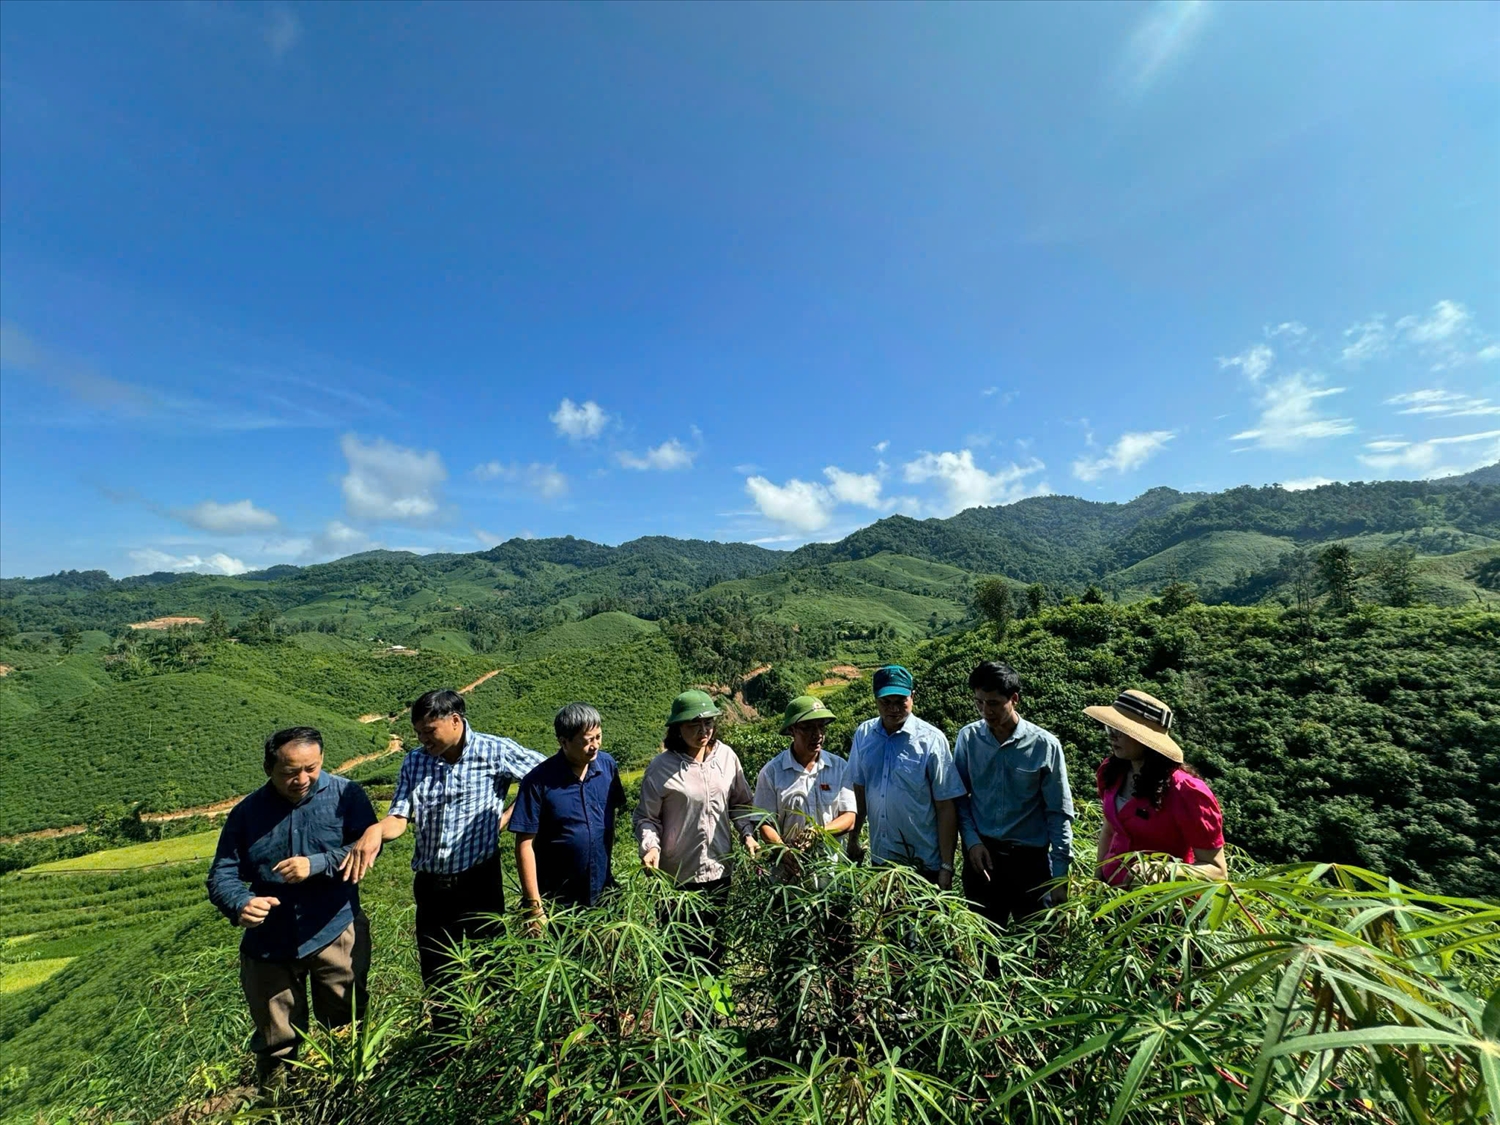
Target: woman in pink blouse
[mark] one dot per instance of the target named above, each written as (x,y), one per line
(1153,801)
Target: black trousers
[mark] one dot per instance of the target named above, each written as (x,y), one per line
(1016,884)
(451,908)
(708,946)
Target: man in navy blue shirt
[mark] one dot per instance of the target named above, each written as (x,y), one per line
(276,874)
(564,817)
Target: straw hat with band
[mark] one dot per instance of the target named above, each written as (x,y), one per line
(805,709)
(1144,718)
(692,705)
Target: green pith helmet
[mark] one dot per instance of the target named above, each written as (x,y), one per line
(802,709)
(692,705)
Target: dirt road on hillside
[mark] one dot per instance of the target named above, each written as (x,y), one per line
(218,808)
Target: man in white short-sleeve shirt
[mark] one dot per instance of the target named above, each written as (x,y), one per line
(804,787)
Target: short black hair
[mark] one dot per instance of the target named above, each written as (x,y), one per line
(437,705)
(995,675)
(286,737)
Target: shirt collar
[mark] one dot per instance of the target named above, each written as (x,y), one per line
(789,763)
(563,766)
(321,784)
(1015,735)
(908,727)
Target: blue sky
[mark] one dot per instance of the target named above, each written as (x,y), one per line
(281,282)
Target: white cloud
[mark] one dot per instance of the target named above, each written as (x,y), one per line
(339,539)
(488,538)
(151,560)
(966,485)
(667,456)
(1254,361)
(578,422)
(1366,341)
(1131,452)
(1446,335)
(390,482)
(1447,320)
(237,518)
(1432,458)
(1442,404)
(1289,416)
(546,481)
(1302,484)
(797,504)
(1292,329)
(854,488)
(881,446)
(989,391)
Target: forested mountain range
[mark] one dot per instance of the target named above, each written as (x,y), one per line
(1232,545)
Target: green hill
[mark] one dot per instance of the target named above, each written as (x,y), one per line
(171,741)
(609,628)
(1211,560)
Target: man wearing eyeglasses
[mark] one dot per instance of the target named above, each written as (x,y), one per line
(1017,813)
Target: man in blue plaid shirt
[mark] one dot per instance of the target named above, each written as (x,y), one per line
(453,789)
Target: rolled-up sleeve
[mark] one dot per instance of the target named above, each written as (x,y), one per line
(1058,799)
(406,782)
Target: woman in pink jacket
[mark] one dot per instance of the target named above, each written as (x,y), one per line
(1153,801)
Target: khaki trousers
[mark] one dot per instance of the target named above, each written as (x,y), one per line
(276,992)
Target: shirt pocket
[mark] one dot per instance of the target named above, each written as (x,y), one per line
(266,852)
(909,772)
(1024,786)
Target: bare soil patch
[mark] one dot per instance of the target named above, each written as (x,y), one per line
(167,622)
(838,675)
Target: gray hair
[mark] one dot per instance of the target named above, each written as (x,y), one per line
(574,719)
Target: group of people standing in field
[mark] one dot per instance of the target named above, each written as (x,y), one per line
(291,854)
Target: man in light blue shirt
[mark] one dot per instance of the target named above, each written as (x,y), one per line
(1017,812)
(904,784)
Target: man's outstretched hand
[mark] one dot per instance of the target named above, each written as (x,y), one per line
(361,856)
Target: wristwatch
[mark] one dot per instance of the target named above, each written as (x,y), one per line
(945,867)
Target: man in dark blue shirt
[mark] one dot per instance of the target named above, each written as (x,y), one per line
(276,874)
(564,817)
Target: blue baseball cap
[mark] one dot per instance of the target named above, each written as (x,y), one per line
(892,680)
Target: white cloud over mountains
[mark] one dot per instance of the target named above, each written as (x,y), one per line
(966,485)
(545,481)
(579,422)
(241,517)
(1435,457)
(1131,452)
(667,457)
(391,482)
(1290,417)
(150,560)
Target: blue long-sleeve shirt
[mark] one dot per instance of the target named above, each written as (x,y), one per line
(264,829)
(1017,791)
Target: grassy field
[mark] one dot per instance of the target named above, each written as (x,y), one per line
(17,975)
(180,849)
